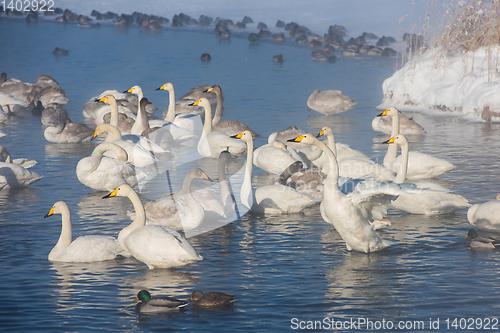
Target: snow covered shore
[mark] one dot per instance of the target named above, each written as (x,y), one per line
(466,84)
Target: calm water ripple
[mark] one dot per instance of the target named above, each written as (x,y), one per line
(279,267)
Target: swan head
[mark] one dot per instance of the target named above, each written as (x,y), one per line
(167,86)
(198,173)
(134,90)
(245,136)
(108,99)
(399,139)
(201,102)
(305,138)
(121,191)
(324,131)
(143,296)
(99,130)
(58,208)
(215,88)
(390,111)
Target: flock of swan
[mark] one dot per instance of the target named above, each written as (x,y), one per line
(353,192)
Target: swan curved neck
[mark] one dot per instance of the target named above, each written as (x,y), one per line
(140,219)
(331,143)
(401,176)
(333,174)
(114,113)
(113,132)
(246,192)
(218,110)
(207,126)
(392,150)
(66,233)
(171,106)
(141,120)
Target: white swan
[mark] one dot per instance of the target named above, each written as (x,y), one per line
(211,144)
(273,157)
(156,246)
(190,122)
(11,104)
(180,211)
(271,199)
(138,127)
(21,161)
(88,248)
(330,102)
(406,125)
(420,165)
(343,211)
(426,198)
(486,215)
(14,173)
(230,127)
(341,150)
(136,153)
(357,167)
(67,131)
(104,173)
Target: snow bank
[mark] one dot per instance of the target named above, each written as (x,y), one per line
(466,84)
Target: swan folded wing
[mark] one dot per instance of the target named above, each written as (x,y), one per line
(90,248)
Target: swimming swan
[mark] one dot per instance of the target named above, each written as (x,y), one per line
(407,125)
(16,176)
(155,245)
(103,173)
(136,153)
(330,102)
(88,248)
(273,157)
(138,127)
(271,199)
(486,215)
(420,165)
(426,198)
(342,211)
(67,131)
(211,144)
(181,211)
(230,127)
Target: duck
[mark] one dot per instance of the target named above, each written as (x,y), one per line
(343,212)
(136,153)
(420,165)
(356,167)
(330,102)
(181,211)
(211,144)
(230,127)
(423,197)
(158,304)
(155,245)
(485,216)
(103,173)
(88,248)
(211,299)
(387,125)
(483,239)
(189,122)
(67,131)
(270,199)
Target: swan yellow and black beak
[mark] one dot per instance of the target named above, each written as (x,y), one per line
(95,135)
(391,140)
(50,213)
(112,194)
(237,136)
(162,87)
(195,103)
(205,176)
(128,91)
(297,139)
(321,133)
(383,113)
(209,89)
